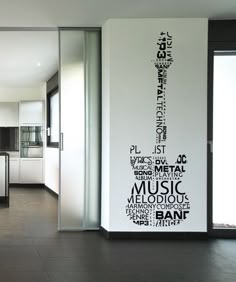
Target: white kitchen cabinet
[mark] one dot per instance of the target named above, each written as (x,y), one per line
(9,114)
(31,140)
(14,170)
(31,113)
(31,170)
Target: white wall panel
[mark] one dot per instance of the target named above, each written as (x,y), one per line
(130,96)
(9,114)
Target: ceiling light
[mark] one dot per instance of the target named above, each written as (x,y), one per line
(38,64)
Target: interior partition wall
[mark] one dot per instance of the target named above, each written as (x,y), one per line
(79,83)
(154,124)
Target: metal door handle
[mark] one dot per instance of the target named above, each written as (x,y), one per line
(62,141)
(211,145)
(49,131)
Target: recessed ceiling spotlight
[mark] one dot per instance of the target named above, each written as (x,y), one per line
(38,64)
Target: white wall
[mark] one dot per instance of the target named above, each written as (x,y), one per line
(52,169)
(9,114)
(51,156)
(130,82)
(18,94)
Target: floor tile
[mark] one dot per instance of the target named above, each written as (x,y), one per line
(32,250)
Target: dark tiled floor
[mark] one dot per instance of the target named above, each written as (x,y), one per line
(31,250)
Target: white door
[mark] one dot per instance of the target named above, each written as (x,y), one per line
(79,129)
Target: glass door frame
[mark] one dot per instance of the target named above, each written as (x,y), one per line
(212,47)
(91,141)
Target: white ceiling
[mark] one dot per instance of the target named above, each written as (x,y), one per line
(27,59)
(21,51)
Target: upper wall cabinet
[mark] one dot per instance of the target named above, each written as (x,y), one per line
(31,113)
(9,112)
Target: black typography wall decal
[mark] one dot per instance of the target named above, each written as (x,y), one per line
(157,198)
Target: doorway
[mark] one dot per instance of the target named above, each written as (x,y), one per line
(28,60)
(67,159)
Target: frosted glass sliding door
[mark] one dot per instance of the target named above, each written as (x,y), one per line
(93,101)
(2,176)
(72,105)
(79,130)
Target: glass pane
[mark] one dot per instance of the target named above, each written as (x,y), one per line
(54,118)
(92,129)
(80,125)
(2,176)
(224,137)
(72,105)
(9,139)
(31,142)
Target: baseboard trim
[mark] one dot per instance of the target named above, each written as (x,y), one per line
(26,185)
(154,235)
(77,229)
(50,191)
(4,200)
(33,185)
(223,233)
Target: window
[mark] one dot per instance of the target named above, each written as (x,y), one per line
(221,123)
(53,119)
